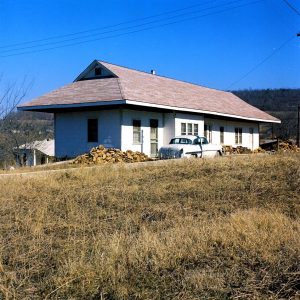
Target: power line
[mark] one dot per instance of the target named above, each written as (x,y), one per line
(262,62)
(131,32)
(291,7)
(106,27)
(115,30)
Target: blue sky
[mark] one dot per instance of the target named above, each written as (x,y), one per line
(203,46)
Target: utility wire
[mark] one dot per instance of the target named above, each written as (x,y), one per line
(131,32)
(291,7)
(261,62)
(116,30)
(106,27)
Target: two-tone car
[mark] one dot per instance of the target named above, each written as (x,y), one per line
(189,146)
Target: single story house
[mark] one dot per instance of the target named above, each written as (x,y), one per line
(35,153)
(128,109)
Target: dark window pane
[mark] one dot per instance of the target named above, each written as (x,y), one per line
(183,128)
(92,130)
(136,124)
(221,135)
(98,72)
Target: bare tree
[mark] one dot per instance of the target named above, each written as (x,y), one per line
(11,95)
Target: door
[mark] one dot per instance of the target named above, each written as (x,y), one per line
(153,137)
(251,138)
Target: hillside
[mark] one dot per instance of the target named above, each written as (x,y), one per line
(281,103)
(227,228)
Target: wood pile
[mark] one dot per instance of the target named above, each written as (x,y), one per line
(259,150)
(228,149)
(102,155)
(288,146)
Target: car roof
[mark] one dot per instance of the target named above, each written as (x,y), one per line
(185,137)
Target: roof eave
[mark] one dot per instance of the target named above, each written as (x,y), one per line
(138,103)
(71,105)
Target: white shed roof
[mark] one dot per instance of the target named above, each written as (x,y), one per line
(45,146)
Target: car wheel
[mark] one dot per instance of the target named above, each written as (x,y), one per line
(218,154)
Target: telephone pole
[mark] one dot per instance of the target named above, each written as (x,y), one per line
(298,124)
(298,128)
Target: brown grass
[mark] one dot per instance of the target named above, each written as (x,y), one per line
(201,229)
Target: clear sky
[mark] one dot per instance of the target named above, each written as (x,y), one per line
(213,43)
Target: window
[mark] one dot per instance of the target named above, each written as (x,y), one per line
(180,141)
(196,131)
(238,135)
(189,128)
(98,71)
(92,130)
(221,135)
(137,137)
(208,132)
(183,128)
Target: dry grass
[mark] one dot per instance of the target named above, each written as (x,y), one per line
(202,229)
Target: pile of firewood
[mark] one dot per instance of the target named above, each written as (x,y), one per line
(102,155)
(259,150)
(288,146)
(228,149)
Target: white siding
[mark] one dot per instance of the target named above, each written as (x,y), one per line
(229,132)
(127,130)
(188,118)
(169,128)
(115,130)
(71,131)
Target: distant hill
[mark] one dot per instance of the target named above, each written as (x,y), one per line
(281,103)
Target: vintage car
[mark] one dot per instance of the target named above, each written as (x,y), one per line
(189,146)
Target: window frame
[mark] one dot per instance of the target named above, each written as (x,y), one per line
(188,128)
(208,132)
(136,130)
(98,70)
(238,135)
(222,131)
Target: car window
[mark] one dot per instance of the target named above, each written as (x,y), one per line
(180,141)
(174,141)
(197,141)
(203,141)
(185,141)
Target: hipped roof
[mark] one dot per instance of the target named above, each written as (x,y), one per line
(129,86)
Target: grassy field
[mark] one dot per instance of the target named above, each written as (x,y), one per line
(198,229)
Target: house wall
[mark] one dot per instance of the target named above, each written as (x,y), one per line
(127,130)
(229,132)
(115,130)
(71,131)
(188,118)
(169,128)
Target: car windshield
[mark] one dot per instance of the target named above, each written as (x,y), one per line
(180,141)
(203,140)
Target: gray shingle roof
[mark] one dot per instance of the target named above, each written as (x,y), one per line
(145,88)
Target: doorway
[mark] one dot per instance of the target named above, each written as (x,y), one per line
(153,137)
(251,131)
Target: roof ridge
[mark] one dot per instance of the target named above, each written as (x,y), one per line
(121,89)
(165,77)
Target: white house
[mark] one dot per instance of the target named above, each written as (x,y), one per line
(35,153)
(128,109)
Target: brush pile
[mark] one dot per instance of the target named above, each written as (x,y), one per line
(102,155)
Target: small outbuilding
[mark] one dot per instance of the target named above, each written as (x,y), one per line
(35,153)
